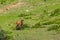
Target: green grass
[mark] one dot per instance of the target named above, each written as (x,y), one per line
(33,34)
(40,14)
(4,3)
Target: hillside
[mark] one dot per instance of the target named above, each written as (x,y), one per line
(39,15)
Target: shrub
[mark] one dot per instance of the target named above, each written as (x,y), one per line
(23,15)
(45,11)
(55,12)
(2,1)
(38,25)
(28,17)
(45,0)
(2,34)
(54,27)
(8,34)
(48,23)
(5,35)
(25,26)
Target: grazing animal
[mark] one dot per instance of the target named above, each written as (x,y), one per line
(19,25)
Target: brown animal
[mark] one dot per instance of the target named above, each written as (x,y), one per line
(19,25)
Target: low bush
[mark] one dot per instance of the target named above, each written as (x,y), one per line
(28,17)
(54,27)
(55,12)
(38,25)
(23,15)
(5,34)
(25,26)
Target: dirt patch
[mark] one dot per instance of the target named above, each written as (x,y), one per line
(11,6)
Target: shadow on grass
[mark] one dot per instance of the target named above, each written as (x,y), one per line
(22,27)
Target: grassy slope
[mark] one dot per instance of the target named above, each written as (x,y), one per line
(4,3)
(35,15)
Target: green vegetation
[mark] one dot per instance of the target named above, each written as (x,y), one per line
(41,19)
(4,3)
